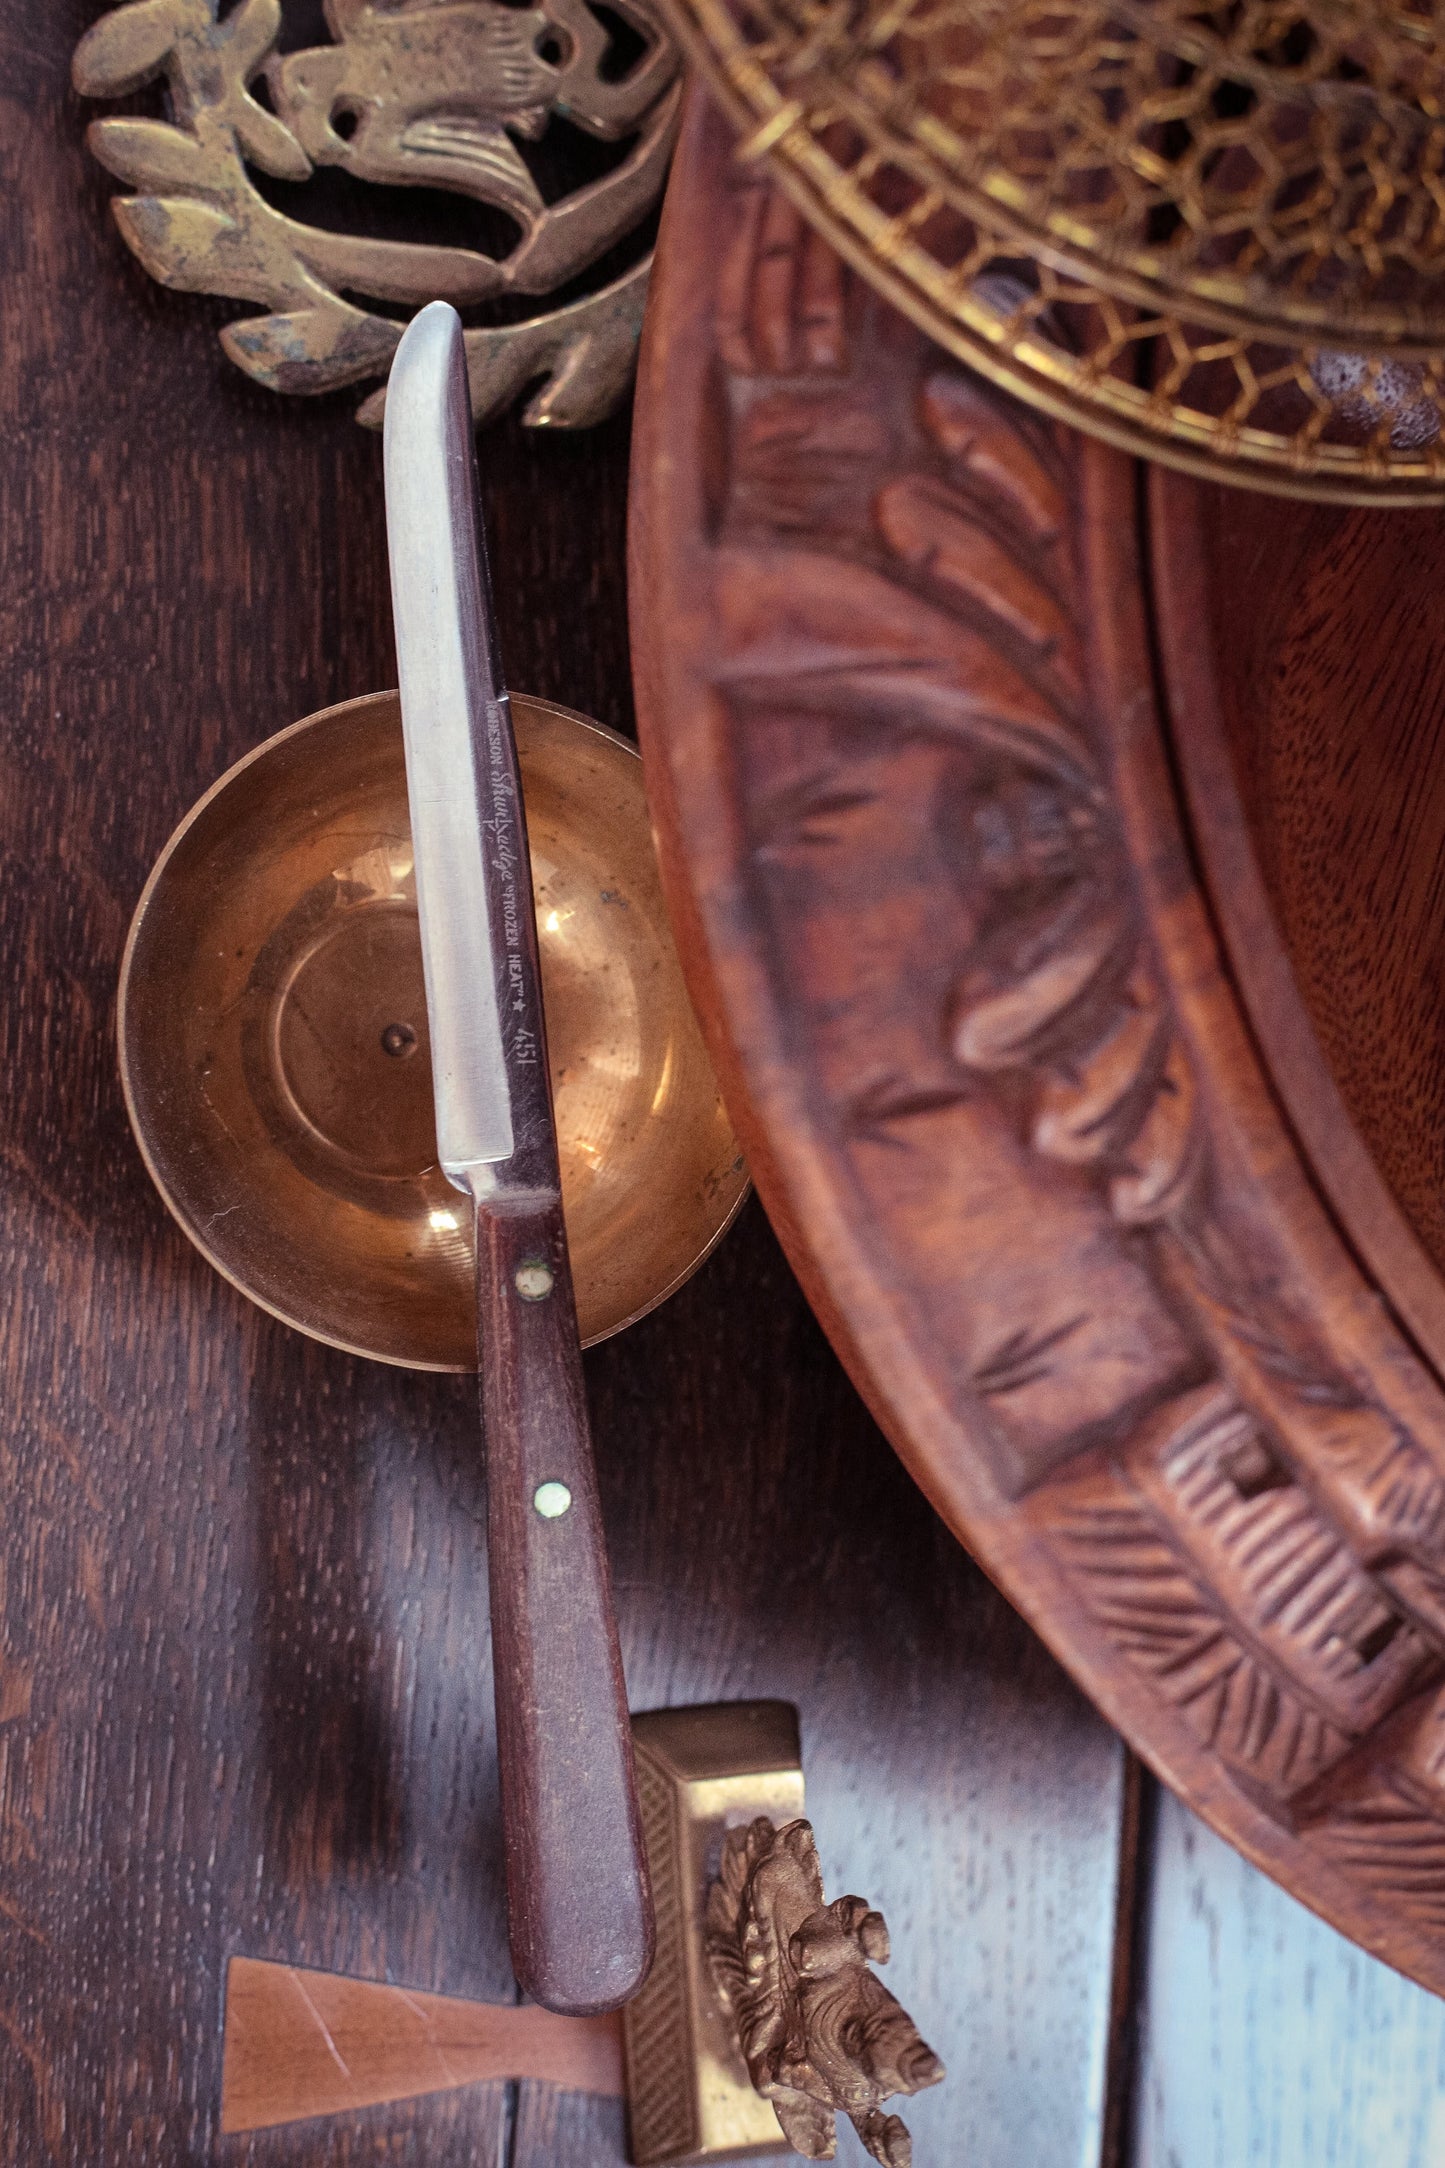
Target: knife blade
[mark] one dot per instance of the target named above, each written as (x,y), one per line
(578,1902)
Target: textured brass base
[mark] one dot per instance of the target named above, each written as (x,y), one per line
(700,1773)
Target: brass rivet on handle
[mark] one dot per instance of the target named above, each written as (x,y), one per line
(399,1041)
(552,1500)
(533,1279)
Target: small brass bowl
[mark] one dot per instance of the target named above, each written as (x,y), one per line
(274,1050)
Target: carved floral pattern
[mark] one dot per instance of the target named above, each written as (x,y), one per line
(941,883)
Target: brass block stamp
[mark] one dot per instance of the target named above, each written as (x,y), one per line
(761,2020)
(700,1773)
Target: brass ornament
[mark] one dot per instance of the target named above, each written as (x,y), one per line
(820,2033)
(1213,235)
(701,1771)
(276,1060)
(420,93)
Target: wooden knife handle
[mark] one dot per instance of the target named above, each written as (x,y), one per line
(578,1901)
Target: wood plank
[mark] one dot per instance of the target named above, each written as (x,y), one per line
(1268,2040)
(245,1698)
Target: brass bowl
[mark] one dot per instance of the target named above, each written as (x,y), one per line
(274,1051)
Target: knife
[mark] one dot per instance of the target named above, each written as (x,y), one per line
(578,1901)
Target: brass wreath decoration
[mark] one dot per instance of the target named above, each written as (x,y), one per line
(1210,231)
(414,93)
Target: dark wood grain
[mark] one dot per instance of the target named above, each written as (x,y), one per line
(578,1903)
(1302,672)
(245,1694)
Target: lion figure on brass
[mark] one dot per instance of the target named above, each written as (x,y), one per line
(820,2033)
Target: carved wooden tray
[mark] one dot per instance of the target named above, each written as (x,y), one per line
(999,1090)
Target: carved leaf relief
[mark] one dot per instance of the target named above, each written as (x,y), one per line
(930,819)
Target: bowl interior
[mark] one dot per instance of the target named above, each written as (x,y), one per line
(275,1052)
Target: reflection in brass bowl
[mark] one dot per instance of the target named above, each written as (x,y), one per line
(273,1040)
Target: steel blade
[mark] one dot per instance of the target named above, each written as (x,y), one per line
(469,836)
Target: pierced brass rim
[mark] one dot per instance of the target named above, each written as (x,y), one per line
(1358,413)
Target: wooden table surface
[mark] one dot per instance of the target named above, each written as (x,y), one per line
(244,1695)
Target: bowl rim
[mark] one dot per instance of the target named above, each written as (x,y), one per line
(126,1061)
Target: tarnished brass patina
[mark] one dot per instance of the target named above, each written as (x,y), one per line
(760,2021)
(274,1050)
(1211,234)
(700,1773)
(820,2033)
(426,93)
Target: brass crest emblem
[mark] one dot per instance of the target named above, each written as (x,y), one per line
(447,95)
